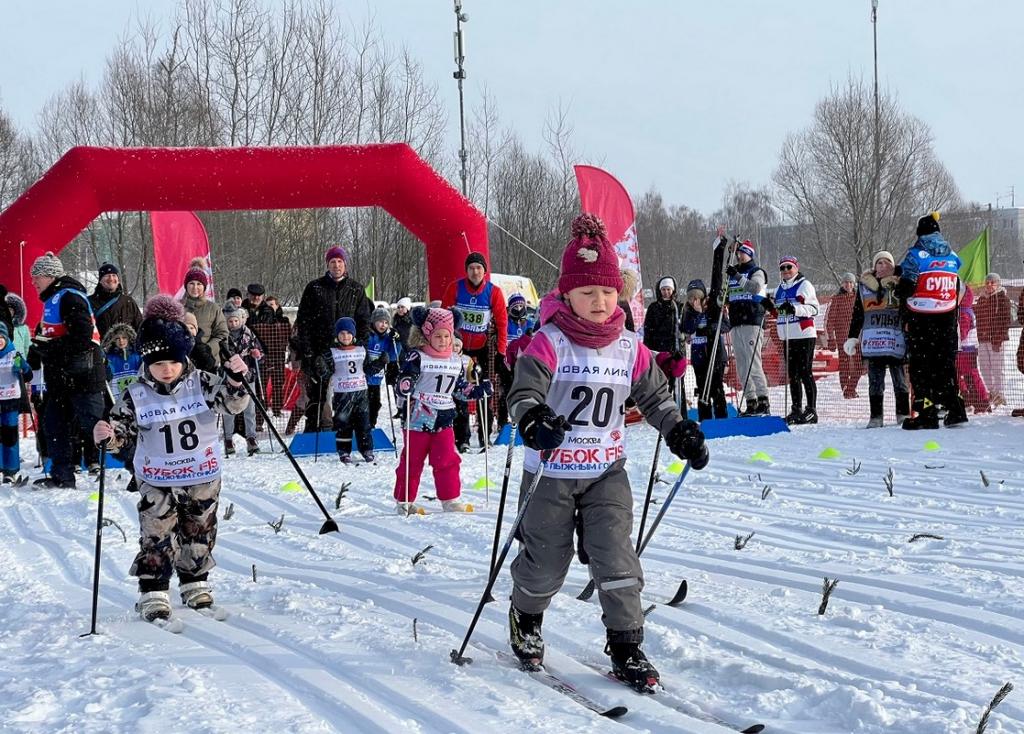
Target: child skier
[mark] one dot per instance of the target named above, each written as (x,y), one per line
(382,340)
(431,379)
(347,366)
(168,420)
(123,359)
(972,387)
(14,372)
(243,342)
(699,328)
(577,373)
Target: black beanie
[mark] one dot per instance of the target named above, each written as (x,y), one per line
(233,292)
(162,340)
(475,258)
(109,269)
(928,224)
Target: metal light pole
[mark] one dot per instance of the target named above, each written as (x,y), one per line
(878,164)
(460,75)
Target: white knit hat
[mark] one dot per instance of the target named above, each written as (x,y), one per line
(404,302)
(883,255)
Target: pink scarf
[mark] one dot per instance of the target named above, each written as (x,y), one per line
(578,329)
(431,352)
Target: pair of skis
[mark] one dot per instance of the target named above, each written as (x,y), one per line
(552,680)
(175,626)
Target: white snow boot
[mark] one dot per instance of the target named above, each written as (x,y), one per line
(453,506)
(154,605)
(196,595)
(409,508)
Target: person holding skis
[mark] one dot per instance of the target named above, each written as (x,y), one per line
(430,381)
(876,321)
(797,304)
(576,375)
(748,285)
(345,367)
(166,425)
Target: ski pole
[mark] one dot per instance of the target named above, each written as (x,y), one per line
(458,656)
(329,526)
(407,448)
(650,492)
(263,397)
(319,411)
(588,590)
(391,412)
(706,390)
(99,539)
(487,455)
(501,500)
(757,344)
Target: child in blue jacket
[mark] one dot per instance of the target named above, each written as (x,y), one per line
(14,372)
(382,340)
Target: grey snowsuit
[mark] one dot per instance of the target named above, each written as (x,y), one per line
(177,522)
(604,502)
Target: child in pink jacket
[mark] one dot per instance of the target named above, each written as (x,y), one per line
(430,381)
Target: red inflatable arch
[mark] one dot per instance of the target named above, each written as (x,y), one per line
(86,182)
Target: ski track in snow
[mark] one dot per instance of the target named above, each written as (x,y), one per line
(917,636)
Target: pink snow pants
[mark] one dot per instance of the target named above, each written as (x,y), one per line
(444,460)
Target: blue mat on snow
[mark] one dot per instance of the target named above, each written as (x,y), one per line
(730,412)
(506,431)
(304,444)
(764,425)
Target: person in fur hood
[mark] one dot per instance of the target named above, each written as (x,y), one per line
(123,358)
(876,326)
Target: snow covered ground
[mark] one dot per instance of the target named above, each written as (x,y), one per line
(916,639)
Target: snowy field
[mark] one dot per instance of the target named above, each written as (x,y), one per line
(343,633)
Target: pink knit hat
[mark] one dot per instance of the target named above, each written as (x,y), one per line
(589,258)
(438,318)
(789,259)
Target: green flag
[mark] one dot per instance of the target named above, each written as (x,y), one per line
(974,260)
(371,287)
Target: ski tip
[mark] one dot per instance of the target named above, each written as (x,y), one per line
(755,729)
(469,508)
(616,712)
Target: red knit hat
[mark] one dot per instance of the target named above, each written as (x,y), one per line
(790,260)
(589,258)
(198,275)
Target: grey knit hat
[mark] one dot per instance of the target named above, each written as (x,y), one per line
(233,311)
(48,265)
(380,314)
(849,278)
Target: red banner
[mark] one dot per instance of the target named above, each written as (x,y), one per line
(603,195)
(178,238)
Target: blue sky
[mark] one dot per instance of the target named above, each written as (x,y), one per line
(680,95)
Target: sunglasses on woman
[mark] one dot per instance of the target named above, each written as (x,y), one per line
(785,267)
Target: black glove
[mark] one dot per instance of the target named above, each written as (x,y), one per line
(323,367)
(731,271)
(541,429)
(678,355)
(786,308)
(686,441)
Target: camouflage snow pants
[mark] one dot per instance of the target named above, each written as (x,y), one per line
(177,531)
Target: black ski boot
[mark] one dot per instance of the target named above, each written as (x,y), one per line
(631,666)
(525,637)
(810,416)
(876,420)
(795,417)
(956,414)
(763,408)
(927,417)
(751,408)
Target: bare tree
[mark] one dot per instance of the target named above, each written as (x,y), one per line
(828,184)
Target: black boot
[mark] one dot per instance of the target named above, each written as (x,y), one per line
(810,415)
(927,416)
(956,413)
(631,666)
(902,406)
(751,408)
(876,420)
(762,405)
(796,416)
(524,634)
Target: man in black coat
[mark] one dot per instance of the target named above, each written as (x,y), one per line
(256,304)
(323,302)
(68,349)
(110,304)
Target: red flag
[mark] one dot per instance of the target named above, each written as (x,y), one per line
(178,238)
(603,195)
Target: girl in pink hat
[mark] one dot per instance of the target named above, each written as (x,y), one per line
(431,380)
(568,399)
